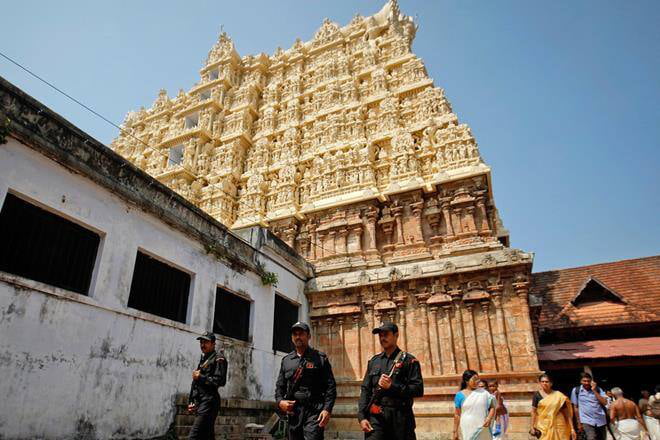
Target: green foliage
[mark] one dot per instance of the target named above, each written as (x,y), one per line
(269,278)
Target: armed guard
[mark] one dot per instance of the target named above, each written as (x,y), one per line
(204,399)
(305,390)
(393,378)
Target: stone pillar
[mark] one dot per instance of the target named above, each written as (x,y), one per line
(456,221)
(330,350)
(496,288)
(315,329)
(370,318)
(340,247)
(289,236)
(312,235)
(462,357)
(469,219)
(398,223)
(448,219)
(341,368)
(391,315)
(356,323)
(491,343)
(417,215)
(322,241)
(484,227)
(378,317)
(371,229)
(434,345)
(469,323)
(451,338)
(331,243)
(429,367)
(521,287)
(401,305)
(354,239)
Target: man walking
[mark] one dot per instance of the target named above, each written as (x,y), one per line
(393,378)
(626,417)
(589,402)
(204,400)
(305,388)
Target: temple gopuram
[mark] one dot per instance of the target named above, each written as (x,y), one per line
(345,148)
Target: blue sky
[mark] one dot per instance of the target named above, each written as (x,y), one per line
(562,96)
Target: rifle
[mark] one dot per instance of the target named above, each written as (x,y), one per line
(276,423)
(374,407)
(193,386)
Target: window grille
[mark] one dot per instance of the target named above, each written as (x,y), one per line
(285,315)
(159,288)
(45,247)
(232,315)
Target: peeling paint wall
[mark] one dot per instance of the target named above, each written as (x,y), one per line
(74,366)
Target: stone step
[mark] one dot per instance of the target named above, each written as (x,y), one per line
(238,419)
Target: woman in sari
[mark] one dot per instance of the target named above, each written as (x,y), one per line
(552,413)
(474,409)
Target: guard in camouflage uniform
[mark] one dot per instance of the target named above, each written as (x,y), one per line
(204,400)
(393,378)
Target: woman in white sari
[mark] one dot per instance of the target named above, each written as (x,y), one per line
(474,409)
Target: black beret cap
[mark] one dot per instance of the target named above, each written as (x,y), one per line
(386,327)
(301,325)
(208,336)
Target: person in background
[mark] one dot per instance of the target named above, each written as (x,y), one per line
(204,399)
(474,409)
(652,415)
(610,398)
(589,402)
(644,401)
(391,383)
(501,413)
(552,413)
(625,417)
(611,433)
(483,384)
(305,387)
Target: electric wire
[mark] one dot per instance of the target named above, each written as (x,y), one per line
(124,131)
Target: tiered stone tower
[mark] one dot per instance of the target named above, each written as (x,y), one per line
(346,150)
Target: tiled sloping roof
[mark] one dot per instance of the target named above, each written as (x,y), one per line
(632,347)
(637,281)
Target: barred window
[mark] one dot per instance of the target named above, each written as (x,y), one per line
(159,288)
(45,247)
(285,315)
(232,315)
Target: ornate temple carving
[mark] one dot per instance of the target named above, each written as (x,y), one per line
(344,147)
(352,112)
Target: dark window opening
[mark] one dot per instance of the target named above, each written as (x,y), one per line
(45,247)
(286,314)
(159,289)
(595,291)
(232,315)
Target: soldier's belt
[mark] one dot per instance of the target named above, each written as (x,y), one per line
(394,403)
